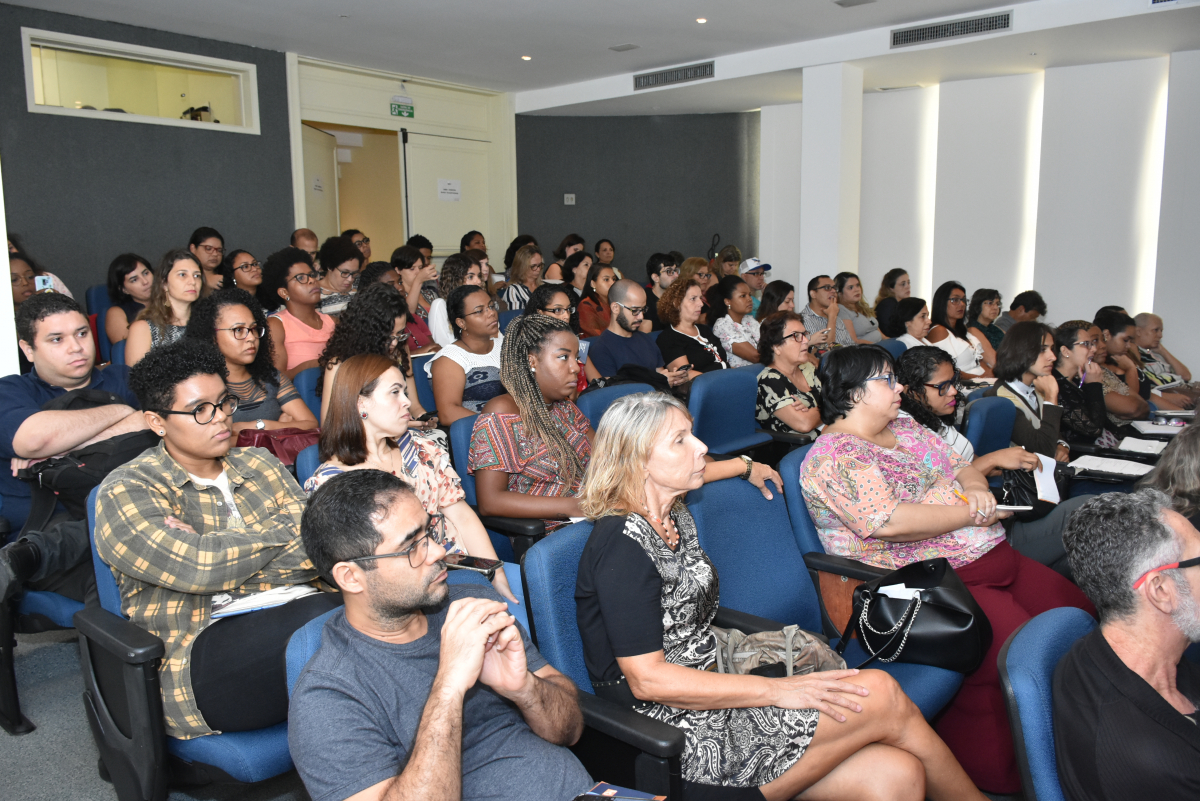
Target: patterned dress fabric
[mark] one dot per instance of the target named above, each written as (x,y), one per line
(853,486)
(732,747)
(731,333)
(776,391)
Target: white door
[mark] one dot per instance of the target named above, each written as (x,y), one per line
(320,182)
(447,188)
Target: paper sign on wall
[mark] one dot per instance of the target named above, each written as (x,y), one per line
(449,189)
(403,106)
(317,185)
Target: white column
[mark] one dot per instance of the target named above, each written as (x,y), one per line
(830,170)
(8,333)
(779,190)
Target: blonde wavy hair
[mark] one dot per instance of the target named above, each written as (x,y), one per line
(615,483)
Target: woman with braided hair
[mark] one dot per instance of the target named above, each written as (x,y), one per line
(531,447)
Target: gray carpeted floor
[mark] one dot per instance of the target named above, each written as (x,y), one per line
(57,762)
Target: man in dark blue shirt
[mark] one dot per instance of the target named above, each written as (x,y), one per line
(55,336)
(622,342)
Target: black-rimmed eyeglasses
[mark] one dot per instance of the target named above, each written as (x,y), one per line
(944,386)
(416,553)
(796,335)
(240,332)
(634,310)
(205,412)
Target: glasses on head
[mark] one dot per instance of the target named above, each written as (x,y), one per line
(944,386)
(1086,343)
(634,310)
(799,336)
(826,288)
(493,306)
(305,278)
(250,265)
(1172,566)
(362,243)
(205,412)
(240,332)
(670,271)
(567,310)
(890,378)
(416,553)
(209,249)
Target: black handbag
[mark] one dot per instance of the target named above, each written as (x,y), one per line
(1019,488)
(942,625)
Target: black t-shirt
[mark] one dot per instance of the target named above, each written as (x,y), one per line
(617,600)
(652,309)
(703,359)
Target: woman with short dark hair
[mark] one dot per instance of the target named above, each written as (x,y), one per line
(571,244)
(1025,376)
(909,322)
(130,284)
(733,322)
(1081,386)
(241,270)
(981,319)
(340,264)
(208,246)
(776,297)
(789,394)
(1125,396)
(414,271)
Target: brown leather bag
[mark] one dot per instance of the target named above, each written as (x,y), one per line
(284,443)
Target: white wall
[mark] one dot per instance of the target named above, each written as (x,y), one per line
(779,190)
(1098,199)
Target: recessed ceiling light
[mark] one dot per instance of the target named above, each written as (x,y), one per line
(526,58)
(701,20)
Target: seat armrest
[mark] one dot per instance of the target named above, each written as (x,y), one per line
(117,636)
(644,733)
(780,436)
(515,526)
(744,621)
(841,566)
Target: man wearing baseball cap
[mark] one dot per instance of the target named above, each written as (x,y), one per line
(755,274)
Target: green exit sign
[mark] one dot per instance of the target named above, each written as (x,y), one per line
(402,106)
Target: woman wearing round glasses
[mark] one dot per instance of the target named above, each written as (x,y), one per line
(341,262)
(233,320)
(208,246)
(299,330)
(466,374)
(789,394)
(888,492)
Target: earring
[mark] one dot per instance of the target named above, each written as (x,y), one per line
(363,415)
(533,369)
(287,297)
(162,433)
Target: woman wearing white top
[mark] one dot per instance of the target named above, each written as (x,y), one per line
(949,332)
(466,374)
(910,323)
(735,327)
(458,270)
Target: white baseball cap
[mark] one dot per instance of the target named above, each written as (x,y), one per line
(751,265)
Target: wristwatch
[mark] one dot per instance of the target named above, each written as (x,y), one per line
(749,466)
(260,424)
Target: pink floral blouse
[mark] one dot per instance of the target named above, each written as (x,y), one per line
(853,486)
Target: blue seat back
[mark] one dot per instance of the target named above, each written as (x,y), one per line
(303,646)
(749,539)
(98,303)
(460,449)
(116,354)
(990,424)
(976,394)
(424,384)
(106,583)
(803,530)
(307,462)
(595,403)
(722,406)
(1027,664)
(654,335)
(507,317)
(894,347)
(550,569)
(306,384)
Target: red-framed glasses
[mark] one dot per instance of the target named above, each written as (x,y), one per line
(1172,566)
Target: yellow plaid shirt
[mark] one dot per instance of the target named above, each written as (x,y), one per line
(167,576)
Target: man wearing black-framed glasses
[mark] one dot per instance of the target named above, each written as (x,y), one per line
(1126,700)
(624,342)
(433,690)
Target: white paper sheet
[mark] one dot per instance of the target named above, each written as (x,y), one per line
(1136,445)
(1154,428)
(1118,467)
(1047,489)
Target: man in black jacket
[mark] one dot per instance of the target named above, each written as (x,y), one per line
(1126,702)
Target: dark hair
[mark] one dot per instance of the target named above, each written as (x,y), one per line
(336,251)
(1066,335)
(338,523)
(275,275)
(521,241)
(1029,300)
(843,374)
(770,334)
(719,293)
(1114,322)
(906,310)
(40,306)
(657,261)
(569,240)
(1120,309)
(454,272)
(372,272)
(601,242)
(813,283)
(887,287)
(349,232)
(417,241)
(774,294)
(980,297)
(672,299)
(343,436)
(572,263)
(118,271)
(914,368)
(456,304)
(1112,540)
(202,326)
(941,300)
(464,244)
(158,308)
(1019,349)
(540,297)
(594,273)
(365,326)
(154,378)
(202,233)
(225,268)
(406,257)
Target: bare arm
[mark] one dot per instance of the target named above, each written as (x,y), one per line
(746,351)
(469,530)
(116,325)
(937,333)
(279,342)
(50,433)
(495,499)
(1127,407)
(549,704)
(327,387)
(137,344)
(296,414)
(134,421)
(798,418)
(449,381)
(1176,365)
(590,371)
(989,353)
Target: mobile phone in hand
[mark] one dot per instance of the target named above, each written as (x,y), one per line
(478,564)
(43,283)
(425,418)
(683,368)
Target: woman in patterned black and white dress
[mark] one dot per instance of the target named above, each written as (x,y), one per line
(646,598)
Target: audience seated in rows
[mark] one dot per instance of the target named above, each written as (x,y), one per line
(661,270)
(950,333)
(777,296)
(466,374)
(646,597)
(420,689)
(1125,698)
(893,288)
(623,342)
(368,428)
(241,270)
(909,322)
(930,397)
(821,316)
(686,341)
(1026,307)
(457,270)
(193,520)
(340,263)
(569,246)
(299,330)
(415,271)
(524,276)
(208,246)
(233,321)
(1159,363)
(858,318)
(981,321)
(130,284)
(890,491)
(595,312)
(789,394)
(1025,376)
(731,304)
(178,283)
(1080,387)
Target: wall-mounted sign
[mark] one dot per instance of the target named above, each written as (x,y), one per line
(402,106)
(449,189)
(317,185)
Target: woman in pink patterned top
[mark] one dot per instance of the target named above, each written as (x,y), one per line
(889,492)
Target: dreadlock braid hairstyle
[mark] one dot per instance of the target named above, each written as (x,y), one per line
(527,334)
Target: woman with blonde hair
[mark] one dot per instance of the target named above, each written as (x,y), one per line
(178,282)
(646,597)
(524,276)
(858,317)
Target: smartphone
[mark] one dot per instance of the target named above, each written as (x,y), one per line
(425,418)
(43,283)
(462,561)
(683,368)
(1003,508)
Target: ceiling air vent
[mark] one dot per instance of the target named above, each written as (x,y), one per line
(952,29)
(692,72)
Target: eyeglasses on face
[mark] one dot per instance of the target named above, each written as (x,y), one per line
(670,271)
(205,412)
(209,249)
(362,243)
(346,273)
(1172,566)
(957,301)
(493,306)
(703,276)
(399,339)
(799,336)
(944,386)
(634,310)
(890,378)
(416,553)
(826,288)
(240,332)
(557,310)
(305,278)
(250,265)
(1086,343)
